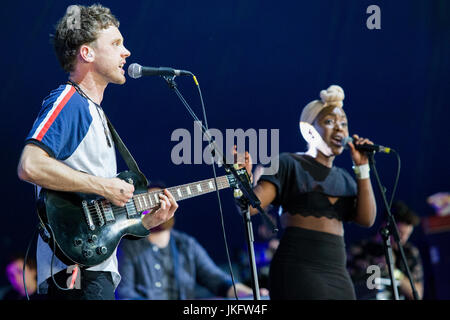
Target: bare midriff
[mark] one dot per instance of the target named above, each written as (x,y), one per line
(322,224)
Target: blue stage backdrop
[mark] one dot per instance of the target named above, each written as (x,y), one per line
(258,64)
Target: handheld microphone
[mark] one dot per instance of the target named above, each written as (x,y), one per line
(135,71)
(365,147)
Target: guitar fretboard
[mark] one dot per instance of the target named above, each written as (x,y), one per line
(149,200)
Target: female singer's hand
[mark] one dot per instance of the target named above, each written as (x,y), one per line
(358,157)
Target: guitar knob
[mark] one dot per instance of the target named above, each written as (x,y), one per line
(92,238)
(77,242)
(102,250)
(87,253)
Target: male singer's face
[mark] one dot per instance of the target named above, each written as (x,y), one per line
(331,124)
(110,54)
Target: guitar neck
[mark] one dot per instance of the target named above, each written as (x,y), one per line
(149,200)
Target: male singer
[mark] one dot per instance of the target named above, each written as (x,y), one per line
(70,148)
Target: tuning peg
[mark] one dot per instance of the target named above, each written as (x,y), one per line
(237,193)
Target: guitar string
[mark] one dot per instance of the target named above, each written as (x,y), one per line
(204,183)
(222,183)
(185,194)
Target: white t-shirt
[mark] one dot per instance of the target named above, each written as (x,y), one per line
(72,129)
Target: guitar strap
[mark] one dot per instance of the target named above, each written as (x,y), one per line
(126,155)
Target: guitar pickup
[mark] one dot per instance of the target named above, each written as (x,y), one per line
(131,209)
(107,210)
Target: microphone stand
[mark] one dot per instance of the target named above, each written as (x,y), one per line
(244,186)
(251,253)
(386,232)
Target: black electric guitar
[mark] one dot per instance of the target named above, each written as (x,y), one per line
(86,229)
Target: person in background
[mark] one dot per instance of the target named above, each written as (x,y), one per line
(168,265)
(371,252)
(14,274)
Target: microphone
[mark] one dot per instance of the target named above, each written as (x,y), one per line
(136,71)
(365,147)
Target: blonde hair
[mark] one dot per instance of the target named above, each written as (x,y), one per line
(332,97)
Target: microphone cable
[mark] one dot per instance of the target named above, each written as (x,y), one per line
(172,85)
(40,228)
(402,254)
(396,178)
(217,192)
(25,262)
(28,249)
(74,271)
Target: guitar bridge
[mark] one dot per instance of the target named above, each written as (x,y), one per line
(87,215)
(101,221)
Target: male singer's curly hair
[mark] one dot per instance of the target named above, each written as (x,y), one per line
(80,25)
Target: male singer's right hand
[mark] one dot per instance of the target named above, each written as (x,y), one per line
(118,191)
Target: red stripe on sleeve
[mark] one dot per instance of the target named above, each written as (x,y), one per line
(55,114)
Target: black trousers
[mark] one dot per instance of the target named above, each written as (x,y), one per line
(93,285)
(310,265)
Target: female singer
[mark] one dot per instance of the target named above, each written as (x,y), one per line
(317,197)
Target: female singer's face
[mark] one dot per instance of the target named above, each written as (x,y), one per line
(331,124)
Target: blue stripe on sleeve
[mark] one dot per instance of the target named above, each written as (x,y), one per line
(68,129)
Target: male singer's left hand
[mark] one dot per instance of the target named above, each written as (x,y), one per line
(165,211)
(359,157)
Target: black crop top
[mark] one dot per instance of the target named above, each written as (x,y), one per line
(304,185)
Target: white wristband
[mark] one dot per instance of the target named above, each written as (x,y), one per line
(362,172)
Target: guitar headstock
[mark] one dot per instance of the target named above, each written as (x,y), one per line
(243,177)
